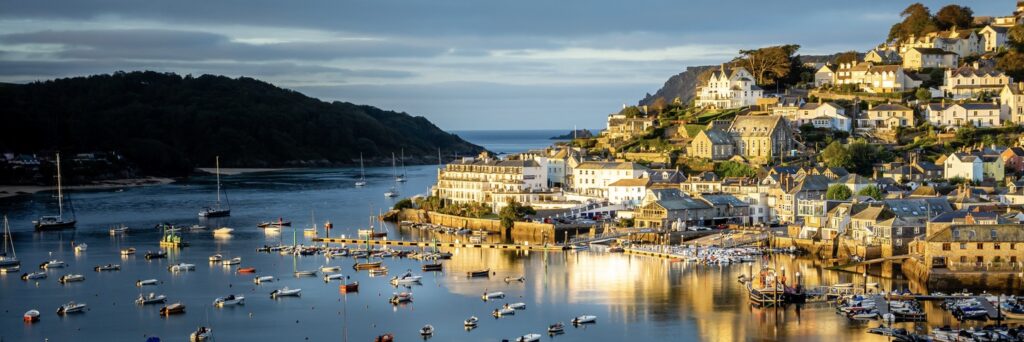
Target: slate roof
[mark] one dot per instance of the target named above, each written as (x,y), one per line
(979,233)
(594,165)
(889,107)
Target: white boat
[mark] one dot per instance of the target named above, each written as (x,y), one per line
(333,276)
(33,275)
(232,261)
(229,300)
(201,334)
(147,282)
(10,269)
(216,258)
(362,173)
(406,279)
(52,264)
(57,222)
(391,193)
(182,267)
(471,322)
(119,230)
(70,278)
(82,247)
(528,338)
(427,330)
(492,295)
(516,306)
(151,298)
(399,298)
(9,263)
(512,279)
(585,319)
(70,307)
(31,316)
(223,231)
(305,274)
(329,269)
(217,210)
(557,328)
(503,311)
(107,267)
(378,271)
(286,292)
(128,251)
(263,279)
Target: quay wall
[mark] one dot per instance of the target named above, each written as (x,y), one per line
(521,231)
(949,281)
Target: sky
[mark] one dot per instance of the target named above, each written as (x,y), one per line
(463,64)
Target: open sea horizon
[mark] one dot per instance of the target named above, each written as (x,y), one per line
(513,141)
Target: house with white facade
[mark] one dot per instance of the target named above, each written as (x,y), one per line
(995,37)
(961,114)
(882,56)
(822,115)
(973,167)
(628,192)
(824,75)
(970,81)
(1011,102)
(729,88)
(875,79)
(593,178)
(920,58)
(480,180)
(964,42)
(886,117)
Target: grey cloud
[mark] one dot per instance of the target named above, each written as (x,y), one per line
(32,70)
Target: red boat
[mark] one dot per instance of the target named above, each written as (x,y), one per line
(346,288)
(247,270)
(31,316)
(384,338)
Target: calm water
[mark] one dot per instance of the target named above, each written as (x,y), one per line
(511,141)
(633,297)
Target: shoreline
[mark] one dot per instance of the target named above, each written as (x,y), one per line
(17,190)
(231,171)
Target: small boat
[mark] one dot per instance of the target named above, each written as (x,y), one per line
(70,278)
(471,322)
(223,231)
(387,337)
(431,267)
(516,306)
(280,223)
(263,279)
(82,247)
(492,295)
(519,279)
(350,287)
(182,267)
(52,264)
(528,338)
(427,330)
(31,316)
(128,251)
(156,255)
(107,267)
(585,319)
(229,300)
(151,298)
(173,309)
(503,311)
(70,307)
(367,265)
(10,269)
(33,275)
(201,334)
(147,282)
(556,328)
(216,258)
(118,230)
(247,270)
(398,298)
(286,292)
(483,273)
(378,271)
(327,269)
(406,279)
(333,276)
(232,261)
(305,273)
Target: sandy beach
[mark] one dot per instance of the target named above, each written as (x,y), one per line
(15,190)
(237,171)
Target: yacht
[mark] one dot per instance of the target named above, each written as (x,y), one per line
(362,173)
(9,259)
(58,221)
(71,278)
(217,210)
(53,264)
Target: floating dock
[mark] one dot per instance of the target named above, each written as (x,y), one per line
(403,243)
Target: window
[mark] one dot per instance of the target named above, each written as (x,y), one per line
(946,247)
(993,234)
(979,259)
(963,245)
(963,259)
(997,246)
(981,246)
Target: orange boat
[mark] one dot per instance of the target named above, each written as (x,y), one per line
(346,288)
(247,270)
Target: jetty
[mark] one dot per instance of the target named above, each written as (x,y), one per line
(404,243)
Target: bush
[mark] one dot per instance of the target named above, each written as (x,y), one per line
(405,203)
(838,192)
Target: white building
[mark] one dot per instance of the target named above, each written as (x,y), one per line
(961,114)
(964,166)
(972,80)
(920,58)
(729,88)
(482,180)
(593,178)
(628,192)
(875,79)
(1011,102)
(822,115)
(995,37)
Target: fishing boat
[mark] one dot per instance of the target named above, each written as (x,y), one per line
(107,267)
(82,247)
(305,273)
(247,270)
(9,259)
(201,334)
(71,278)
(146,282)
(156,255)
(513,279)
(492,295)
(556,328)
(362,172)
(378,271)
(359,266)
(173,309)
(151,298)
(333,276)
(217,210)
(229,300)
(435,267)
(350,287)
(120,230)
(171,238)
(263,279)
(286,292)
(31,316)
(223,231)
(471,322)
(481,273)
(128,251)
(406,279)
(503,311)
(398,298)
(427,330)
(33,275)
(182,267)
(53,264)
(516,306)
(528,338)
(58,222)
(232,261)
(584,319)
(216,258)
(327,269)
(70,307)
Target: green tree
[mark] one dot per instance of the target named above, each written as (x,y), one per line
(631,112)
(957,16)
(923,95)
(514,211)
(836,155)
(838,192)
(1012,63)
(871,191)
(734,169)
(917,20)
(848,57)
(404,203)
(659,105)
(864,156)
(768,64)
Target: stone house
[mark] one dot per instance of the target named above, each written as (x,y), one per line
(712,144)
(919,58)
(760,139)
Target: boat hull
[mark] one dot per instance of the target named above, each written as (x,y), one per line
(51,226)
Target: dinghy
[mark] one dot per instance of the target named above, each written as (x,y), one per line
(52,264)
(107,267)
(492,295)
(229,300)
(503,311)
(232,261)
(399,298)
(471,322)
(147,282)
(173,309)
(182,267)
(427,330)
(528,338)
(31,316)
(70,307)
(70,278)
(201,334)
(585,319)
(333,276)
(33,275)
(263,279)
(152,298)
(286,292)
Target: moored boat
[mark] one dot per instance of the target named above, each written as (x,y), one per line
(128,251)
(182,267)
(328,269)
(305,273)
(201,334)
(584,319)
(515,279)
(53,264)
(232,261)
(216,258)
(173,309)
(503,311)
(247,270)
(71,307)
(367,265)
(156,255)
(431,267)
(481,273)
(471,322)
(33,275)
(122,229)
(223,231)
(333,276)
(70,278)
(350,287)
(107,267)
(151,298)
(378,271)
(528,338)
(556,328)
(406,279)
(80,248)
(229,300)
(285,292)
(146,282)
(31,316)
(263,279)
(492,295)
(427,330)
(399,298)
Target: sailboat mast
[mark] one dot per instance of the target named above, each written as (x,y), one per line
(394,169)
(218,179)
(60,192)
(362,171)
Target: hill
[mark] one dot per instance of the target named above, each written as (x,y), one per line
(167,124)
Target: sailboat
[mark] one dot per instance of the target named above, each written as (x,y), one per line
(393,192)
(312,231)
(401,178)
(59,221)
(8,261)
(217,210)
(362,173)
